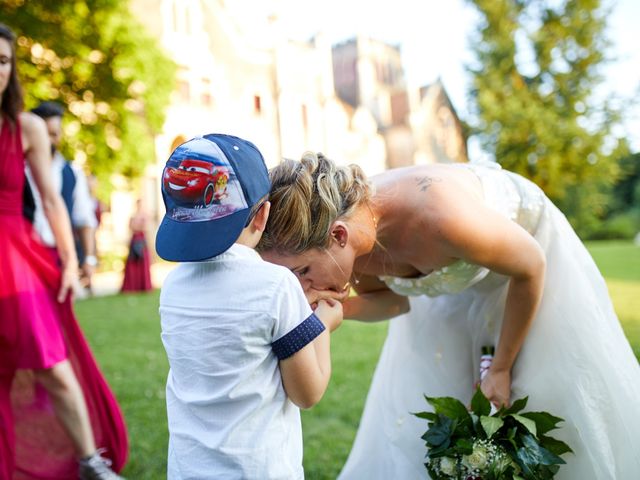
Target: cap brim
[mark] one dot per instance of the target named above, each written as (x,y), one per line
(195,241)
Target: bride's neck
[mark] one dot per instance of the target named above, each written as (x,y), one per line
(393,229)
(364,225)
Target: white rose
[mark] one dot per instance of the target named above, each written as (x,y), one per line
(447,466)
(477,459)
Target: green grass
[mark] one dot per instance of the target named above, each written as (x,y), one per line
(617,259)
(619,262)
(124,333)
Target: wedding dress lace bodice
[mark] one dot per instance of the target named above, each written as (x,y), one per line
(517,198)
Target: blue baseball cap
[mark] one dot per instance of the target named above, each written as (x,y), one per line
(209,185)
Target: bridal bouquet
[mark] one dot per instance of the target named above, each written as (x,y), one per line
(479,445)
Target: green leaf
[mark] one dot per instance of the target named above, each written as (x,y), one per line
(449,407)
(532,454)
(530,425)
(516,406)
(525,462)
(440,431)
(426,415)
(545,422)
(511,437)
(441,451)
(480,405)
(464,446)
(491,425)
(554,445)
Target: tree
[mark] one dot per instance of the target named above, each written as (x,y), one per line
(623,211)
(97,60)
(536,102)
(626,192)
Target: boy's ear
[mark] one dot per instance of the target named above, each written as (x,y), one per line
(262,215)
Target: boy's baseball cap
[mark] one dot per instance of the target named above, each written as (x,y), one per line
(209,186)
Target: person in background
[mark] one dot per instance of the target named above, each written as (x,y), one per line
(98,209)
(57,413)
(98,206)
(71,182)
(245,348)
(137,269)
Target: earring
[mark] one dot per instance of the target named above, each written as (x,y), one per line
(342,244)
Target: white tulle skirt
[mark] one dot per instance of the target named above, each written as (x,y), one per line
(576,363)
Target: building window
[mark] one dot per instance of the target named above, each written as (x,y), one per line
(175,16)
(187,21)
(205,97)
(184,91)
(305,118)
(181,17)
(257,105)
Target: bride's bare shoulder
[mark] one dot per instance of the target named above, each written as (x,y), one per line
(408,179)
(427,183)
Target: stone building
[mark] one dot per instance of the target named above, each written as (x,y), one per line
(349,101)
(437,130)
(369,73)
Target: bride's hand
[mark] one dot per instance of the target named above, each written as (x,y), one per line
(496,386)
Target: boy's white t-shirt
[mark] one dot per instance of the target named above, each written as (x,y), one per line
(225,324)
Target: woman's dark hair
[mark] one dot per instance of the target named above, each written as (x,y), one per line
(12,101)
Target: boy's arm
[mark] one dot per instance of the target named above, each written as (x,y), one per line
(306,373)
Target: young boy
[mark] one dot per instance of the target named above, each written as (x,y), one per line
(244,347)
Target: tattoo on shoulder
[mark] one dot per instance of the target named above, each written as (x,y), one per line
(426,182)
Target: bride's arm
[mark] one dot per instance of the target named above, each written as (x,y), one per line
(479,235)
(374,301)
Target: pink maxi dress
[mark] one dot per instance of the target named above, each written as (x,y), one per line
(37,332)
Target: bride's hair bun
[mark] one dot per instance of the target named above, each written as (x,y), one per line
(306,198)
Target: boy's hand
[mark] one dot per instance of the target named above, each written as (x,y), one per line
(314,296)
(329,311)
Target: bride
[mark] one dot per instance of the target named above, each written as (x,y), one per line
(468,256)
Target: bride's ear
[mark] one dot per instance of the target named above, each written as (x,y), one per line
(340,233)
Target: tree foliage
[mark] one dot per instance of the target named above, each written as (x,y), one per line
(626,192)
(537,104)
(623,210)
(97,60)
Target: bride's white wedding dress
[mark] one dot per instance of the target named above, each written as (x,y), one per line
(576,362)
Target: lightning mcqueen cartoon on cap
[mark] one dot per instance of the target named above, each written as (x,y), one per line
(196,182)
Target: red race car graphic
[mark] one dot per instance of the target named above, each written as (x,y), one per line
(196,183)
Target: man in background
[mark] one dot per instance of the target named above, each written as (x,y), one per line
(72,184)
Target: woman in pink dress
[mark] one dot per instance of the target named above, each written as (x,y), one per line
(137,270)
(57,413)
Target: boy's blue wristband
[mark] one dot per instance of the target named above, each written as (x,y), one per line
(298,338)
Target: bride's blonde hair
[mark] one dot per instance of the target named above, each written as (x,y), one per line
(306,197)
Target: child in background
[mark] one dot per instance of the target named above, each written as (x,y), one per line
(245,349)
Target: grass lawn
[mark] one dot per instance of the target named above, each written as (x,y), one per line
(124,333)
